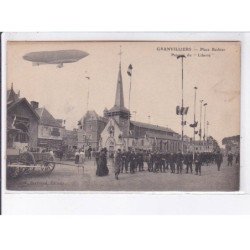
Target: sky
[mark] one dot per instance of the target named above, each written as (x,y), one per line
(213,67)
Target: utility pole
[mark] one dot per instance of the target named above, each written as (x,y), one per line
(205,109)
(207,128)
(182,101)
(195,90)
(200,132)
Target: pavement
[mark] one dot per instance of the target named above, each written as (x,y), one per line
(71,178)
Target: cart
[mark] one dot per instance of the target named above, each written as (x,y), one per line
(29,162)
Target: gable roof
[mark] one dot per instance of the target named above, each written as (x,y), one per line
(11,96)
(92,115)
(46,118)
(13,104)
(152,127)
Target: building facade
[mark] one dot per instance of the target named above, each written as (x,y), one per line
(22,122)
(50,130)
(121,132)
(89,130)
(231,144)
(70,139)
(201,146)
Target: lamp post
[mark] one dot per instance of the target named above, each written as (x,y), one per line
(205,109)
(182,100)
(207,128)
(200,131)
(195,90)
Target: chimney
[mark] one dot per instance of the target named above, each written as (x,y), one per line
(35,105)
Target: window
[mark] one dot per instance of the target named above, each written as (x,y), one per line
(55,132)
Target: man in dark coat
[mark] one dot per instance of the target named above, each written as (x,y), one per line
(230,159)
(140,160)
(218,160)
(89,152)
(179,162)
(189,162)
(198,163)
(172,163)
(132,162)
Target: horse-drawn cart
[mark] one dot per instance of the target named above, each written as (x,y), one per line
(29,162)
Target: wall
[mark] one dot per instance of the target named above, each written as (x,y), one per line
(107,138)
(23,111)
(45,132)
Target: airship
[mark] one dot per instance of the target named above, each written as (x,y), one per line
(58,57)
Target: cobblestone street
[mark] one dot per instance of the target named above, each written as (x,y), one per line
(70,178)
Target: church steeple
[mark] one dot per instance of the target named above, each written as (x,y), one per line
(119,97)
(119,112)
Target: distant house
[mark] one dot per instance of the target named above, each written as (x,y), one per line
(50,130)
(22,122)
(202,146)
(70,141)
(231,144)
(89,131)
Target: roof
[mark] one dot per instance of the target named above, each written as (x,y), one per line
(160,136)
(230,139)
(117,109)
(119,98)
(151,126)
(92,115)
(46,118)
(19,101)
(11,96)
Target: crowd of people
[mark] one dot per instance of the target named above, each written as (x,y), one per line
(132,161)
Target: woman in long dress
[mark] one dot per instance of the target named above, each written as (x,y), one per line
(102,168)
(82,159)
(77,157)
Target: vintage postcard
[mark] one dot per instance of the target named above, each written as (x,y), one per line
(123,115)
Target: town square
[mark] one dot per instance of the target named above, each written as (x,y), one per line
(126,146)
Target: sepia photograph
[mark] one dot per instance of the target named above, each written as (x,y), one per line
(137,116)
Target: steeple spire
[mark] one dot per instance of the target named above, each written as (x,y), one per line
(119,98)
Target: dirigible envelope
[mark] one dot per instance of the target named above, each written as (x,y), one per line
(58,57)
